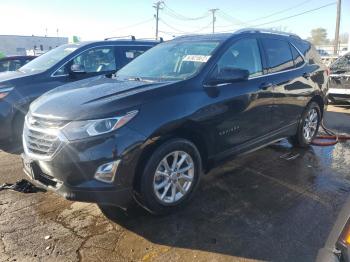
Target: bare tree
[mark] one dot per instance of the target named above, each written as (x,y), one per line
(319,36)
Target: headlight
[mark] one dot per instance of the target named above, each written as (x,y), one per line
(4,91)
(82,129)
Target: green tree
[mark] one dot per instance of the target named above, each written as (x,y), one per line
(76,39)
(2,55)
(319,36)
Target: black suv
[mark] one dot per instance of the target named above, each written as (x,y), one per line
(64,64)
(175,111)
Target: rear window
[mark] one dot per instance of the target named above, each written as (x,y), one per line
(278,54)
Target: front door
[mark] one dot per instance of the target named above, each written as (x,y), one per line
(243,109)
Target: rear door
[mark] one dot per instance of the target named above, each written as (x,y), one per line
(291,81)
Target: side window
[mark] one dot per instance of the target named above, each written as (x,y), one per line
(4,66)
(129,53)
(278,54)
(243,54)
(101,59)
(15,64)
(297,58)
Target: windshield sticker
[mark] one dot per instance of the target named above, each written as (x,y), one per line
(197,58)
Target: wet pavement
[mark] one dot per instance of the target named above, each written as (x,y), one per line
(276,204)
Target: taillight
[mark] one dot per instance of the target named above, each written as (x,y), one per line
(345,235)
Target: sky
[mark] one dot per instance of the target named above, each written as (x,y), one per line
(94,20)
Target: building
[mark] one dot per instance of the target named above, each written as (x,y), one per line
(29,45)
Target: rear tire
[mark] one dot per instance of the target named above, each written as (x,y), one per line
(308,126)
(170,177)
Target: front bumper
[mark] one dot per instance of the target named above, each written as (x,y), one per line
(339,94)
(71,171)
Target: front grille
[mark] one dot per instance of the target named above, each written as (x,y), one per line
(40,137)
(41,143)
(42,123)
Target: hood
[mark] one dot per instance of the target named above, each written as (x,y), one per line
(92,98)
(13,75)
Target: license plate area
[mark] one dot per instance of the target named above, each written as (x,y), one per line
(28,166)
(33,170)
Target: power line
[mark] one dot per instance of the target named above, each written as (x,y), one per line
(230,18)
(177,15)
(291,16)
(279,12)
(133,25)
(185,32)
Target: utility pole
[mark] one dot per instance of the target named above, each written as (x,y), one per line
(214,18)
(158,6)
(336,38)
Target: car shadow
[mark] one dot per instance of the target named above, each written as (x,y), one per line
(276,204)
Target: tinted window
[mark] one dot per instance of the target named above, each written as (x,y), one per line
(297,58)
(101,59)
(243,54)
(4,66)
(10,65)
(129,53)
(278,54)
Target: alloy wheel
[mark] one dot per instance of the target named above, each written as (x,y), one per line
(310,124)
(173,177)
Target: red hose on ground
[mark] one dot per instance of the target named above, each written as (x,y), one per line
(331,135)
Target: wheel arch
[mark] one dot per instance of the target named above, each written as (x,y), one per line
(155,141)
(319,100)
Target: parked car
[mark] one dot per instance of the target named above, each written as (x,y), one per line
(322,52)
(64,64)
(175,111)
(340,79)
(12,63)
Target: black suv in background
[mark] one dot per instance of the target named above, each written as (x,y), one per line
(339,80)
(64,64)
(184,105)
(12,63)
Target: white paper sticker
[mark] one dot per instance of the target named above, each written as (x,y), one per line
(197,58)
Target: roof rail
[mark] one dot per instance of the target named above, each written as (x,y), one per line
(121,37)
(160,39)
(268,31)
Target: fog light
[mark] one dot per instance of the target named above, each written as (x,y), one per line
(106,172)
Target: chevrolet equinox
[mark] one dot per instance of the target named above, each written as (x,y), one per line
(150,131)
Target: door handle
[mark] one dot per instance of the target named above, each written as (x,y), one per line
(306,75)
(265,86)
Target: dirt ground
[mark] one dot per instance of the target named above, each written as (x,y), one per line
(276,204)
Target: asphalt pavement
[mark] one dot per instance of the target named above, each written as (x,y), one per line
(276,204)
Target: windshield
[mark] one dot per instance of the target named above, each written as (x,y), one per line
(170,61)
(49,59)
(341,64)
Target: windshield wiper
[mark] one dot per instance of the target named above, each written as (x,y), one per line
(140,79)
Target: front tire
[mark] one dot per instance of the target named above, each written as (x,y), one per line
(308,127)
(170,176)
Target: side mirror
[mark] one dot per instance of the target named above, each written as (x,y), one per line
(77,69)
(229,75)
